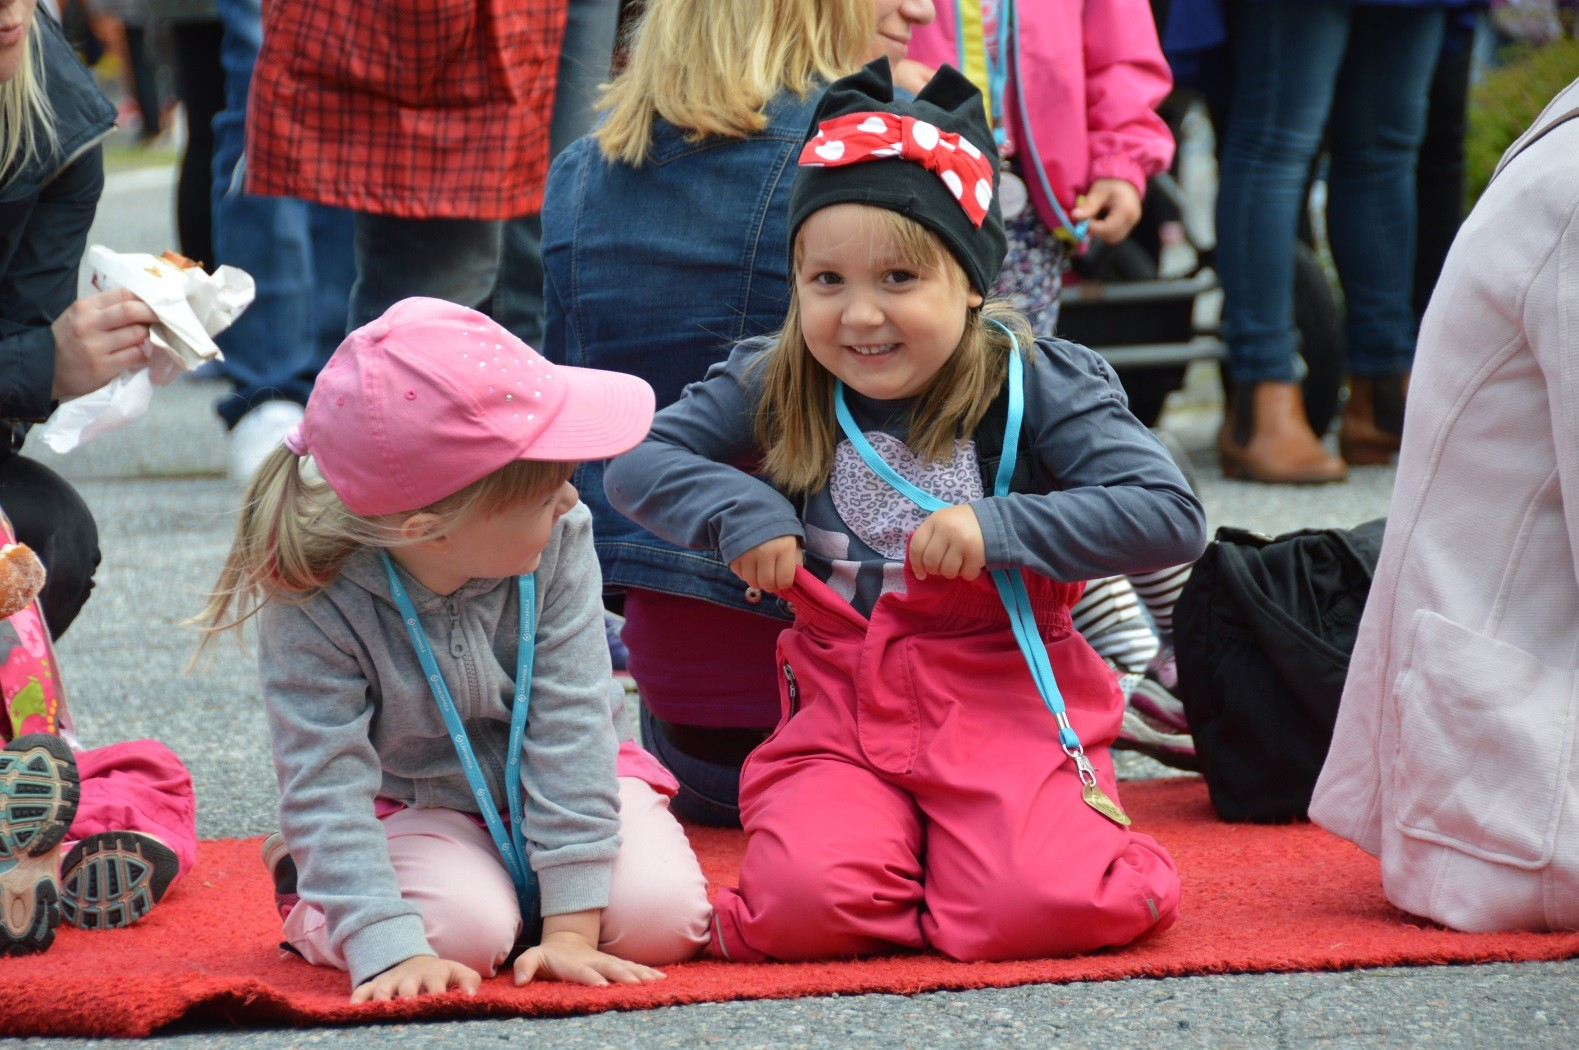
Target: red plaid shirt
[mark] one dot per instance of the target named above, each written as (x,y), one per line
(423,109)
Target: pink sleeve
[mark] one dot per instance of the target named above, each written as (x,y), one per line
(1126,78)
(933,44)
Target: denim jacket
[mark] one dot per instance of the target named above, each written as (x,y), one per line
(659,270)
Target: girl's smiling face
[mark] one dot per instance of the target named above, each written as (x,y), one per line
(871,313)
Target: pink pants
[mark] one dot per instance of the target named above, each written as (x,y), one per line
(916,793)
(141,786)
(447,865)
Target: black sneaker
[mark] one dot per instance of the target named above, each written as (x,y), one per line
(114,878)
(38,799)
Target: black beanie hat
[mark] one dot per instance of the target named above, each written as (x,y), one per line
(952,105)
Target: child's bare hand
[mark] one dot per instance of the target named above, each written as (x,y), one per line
(1112,205)
(769,566)
(568,957)
(418,975)
(949,544)
(912,75)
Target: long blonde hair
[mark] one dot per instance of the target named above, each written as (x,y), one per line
(294,534)
(710,66)
(27,122)
(795,423)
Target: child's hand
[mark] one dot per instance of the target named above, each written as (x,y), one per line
(769,566)
(949,544)
(1112,205)
(912,75)
(571,957)
(418,975)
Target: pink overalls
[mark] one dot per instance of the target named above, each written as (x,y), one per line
(915,792)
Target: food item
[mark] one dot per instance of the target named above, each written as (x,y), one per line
(21,578)
(180,260)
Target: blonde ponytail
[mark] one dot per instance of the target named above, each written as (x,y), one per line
(294,535)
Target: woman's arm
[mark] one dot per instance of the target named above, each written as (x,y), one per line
(52,348)
(1127,77)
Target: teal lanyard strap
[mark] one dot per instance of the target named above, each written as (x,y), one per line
(1011,586)
(1007,54)
(1080,231)
(510,842)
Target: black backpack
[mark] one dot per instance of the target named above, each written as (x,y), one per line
(1263,631)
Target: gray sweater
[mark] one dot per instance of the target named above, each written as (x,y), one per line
(351,719)
(1107,497)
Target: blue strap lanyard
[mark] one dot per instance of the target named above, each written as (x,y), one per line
(512,847)
(998,59)
(1011,586)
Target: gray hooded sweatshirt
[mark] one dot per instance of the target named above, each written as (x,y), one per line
(351,719)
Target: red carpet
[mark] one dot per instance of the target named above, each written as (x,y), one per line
(1256,899)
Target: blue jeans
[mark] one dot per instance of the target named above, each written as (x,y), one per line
(1363,73)
(454,259)
(584,59)
(709,792)
(299,253)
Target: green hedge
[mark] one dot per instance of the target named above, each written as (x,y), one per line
(1509,98)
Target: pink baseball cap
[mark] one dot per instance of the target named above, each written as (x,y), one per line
(430,397)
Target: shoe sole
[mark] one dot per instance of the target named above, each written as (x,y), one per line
(1171,749)
(38,798)
(113,879)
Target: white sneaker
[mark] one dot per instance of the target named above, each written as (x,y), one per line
(258,433)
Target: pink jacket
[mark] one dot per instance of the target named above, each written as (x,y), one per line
(1092,78)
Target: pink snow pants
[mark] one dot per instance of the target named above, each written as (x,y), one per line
(137,785)
(915,792)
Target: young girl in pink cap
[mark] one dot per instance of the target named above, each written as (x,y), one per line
(940,774)
(451,756)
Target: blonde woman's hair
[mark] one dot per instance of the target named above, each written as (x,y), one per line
(710,66)
(294,534)
(27,123)
(795,423)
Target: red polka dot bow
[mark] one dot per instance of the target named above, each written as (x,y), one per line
(858,137)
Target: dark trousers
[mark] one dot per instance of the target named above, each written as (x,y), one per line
(1439,177)
(50,517)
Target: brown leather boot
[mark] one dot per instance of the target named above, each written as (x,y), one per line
(1373,420)
(1266,437)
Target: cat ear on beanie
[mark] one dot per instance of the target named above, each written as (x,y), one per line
(951,91)
(932,158)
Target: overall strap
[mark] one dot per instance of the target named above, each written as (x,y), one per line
(1011,585)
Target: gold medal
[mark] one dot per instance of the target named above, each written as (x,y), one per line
(1098,800)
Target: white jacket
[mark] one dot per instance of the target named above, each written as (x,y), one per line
(1454,757)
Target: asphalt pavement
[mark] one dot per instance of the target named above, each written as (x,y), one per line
(166,511)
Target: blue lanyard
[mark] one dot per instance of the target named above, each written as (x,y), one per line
(1007,51)
(512,847)
(1011,586)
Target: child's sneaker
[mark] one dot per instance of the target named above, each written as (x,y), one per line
(114,878)
(38,799)
(1164,667)
(282,870)
(1153,724)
